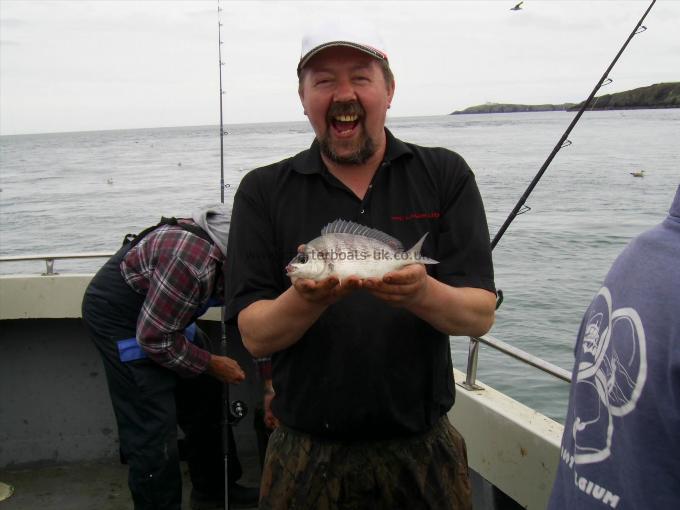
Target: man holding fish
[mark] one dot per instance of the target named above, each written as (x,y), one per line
(357,327)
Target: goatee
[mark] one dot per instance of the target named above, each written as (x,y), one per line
(358,157)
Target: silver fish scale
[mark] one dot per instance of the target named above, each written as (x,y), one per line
(352,254)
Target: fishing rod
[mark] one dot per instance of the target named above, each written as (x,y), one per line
(223,328)
(219,56)
(520,207)
(232,412)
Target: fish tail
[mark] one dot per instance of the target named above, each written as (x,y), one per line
(414,253)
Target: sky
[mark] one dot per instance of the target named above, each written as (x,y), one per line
(84,65)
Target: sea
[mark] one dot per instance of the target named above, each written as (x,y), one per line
(83,191)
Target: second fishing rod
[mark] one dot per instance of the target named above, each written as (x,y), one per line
(563,141)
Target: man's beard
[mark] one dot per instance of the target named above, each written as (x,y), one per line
(360,156)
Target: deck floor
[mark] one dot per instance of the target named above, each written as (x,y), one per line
(100,485)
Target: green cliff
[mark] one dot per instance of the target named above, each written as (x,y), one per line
(660,95)
(511,108)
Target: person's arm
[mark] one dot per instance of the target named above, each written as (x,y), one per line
(183,277)
(271,325)
(264,370)
(459,297)
(270,420)
(269,315)
(460,311)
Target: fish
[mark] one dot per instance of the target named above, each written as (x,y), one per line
(347,249)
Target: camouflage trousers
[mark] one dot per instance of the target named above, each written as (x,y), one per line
(428,471)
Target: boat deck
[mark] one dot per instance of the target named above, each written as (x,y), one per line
(86,486)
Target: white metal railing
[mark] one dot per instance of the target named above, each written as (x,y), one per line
(505,348)
(50,258)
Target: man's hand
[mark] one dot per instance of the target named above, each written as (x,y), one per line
(225,369)
(399,288)
(325,292)
(270,421)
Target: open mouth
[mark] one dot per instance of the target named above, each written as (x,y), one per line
(345,124)
(344,118)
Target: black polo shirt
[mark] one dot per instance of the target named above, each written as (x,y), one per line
(364,369)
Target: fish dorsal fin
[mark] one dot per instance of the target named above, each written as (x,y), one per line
(349,227)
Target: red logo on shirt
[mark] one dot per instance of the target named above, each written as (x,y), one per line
(416,216)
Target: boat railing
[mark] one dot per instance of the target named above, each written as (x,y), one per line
(523,356)
(50,258)
(473,352)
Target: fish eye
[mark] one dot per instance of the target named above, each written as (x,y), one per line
(302,258)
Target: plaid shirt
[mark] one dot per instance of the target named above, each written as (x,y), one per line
(178,272)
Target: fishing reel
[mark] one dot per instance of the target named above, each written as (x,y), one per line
(237,411)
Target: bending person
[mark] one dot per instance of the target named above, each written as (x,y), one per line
(140,311)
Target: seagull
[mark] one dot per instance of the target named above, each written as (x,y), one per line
(641,173)
(518,6)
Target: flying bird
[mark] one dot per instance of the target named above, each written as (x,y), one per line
(518,6)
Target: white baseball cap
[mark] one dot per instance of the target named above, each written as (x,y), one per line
(354,34)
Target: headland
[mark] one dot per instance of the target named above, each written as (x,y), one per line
(659,95)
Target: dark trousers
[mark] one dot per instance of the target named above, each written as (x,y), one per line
(150,401)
